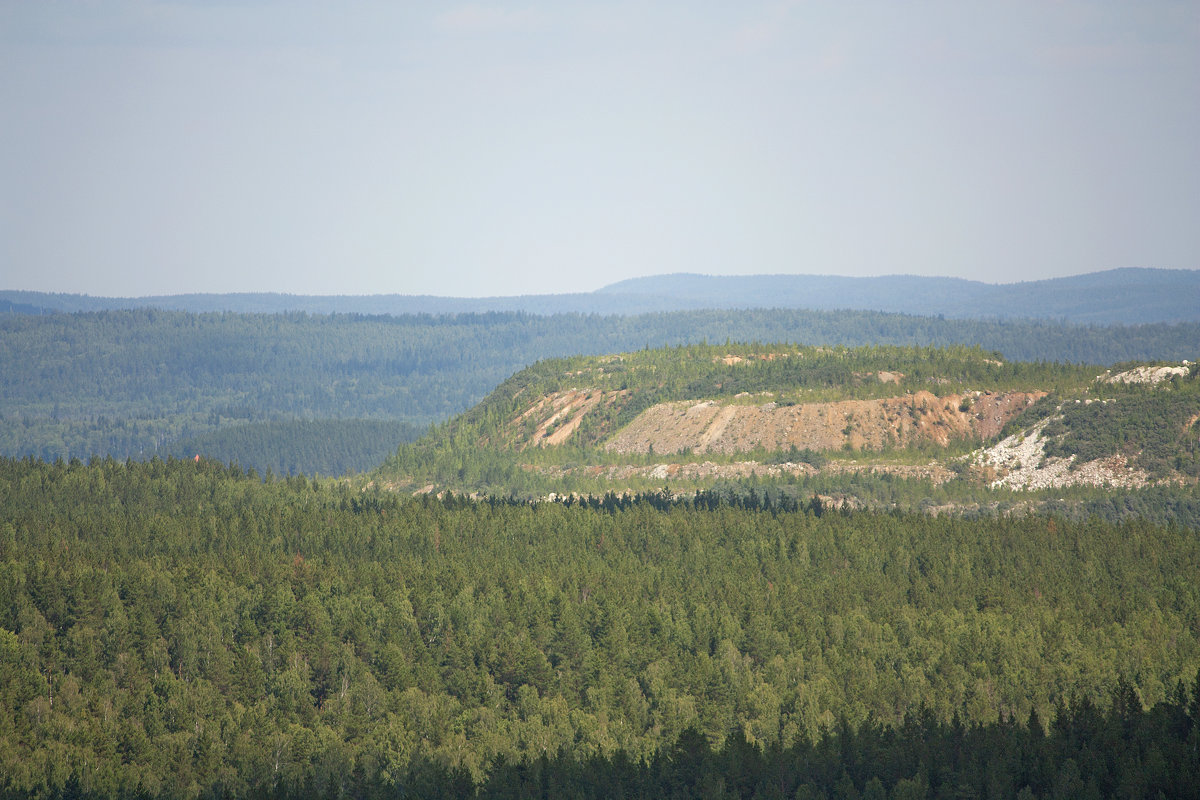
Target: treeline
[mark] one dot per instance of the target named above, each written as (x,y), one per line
(1088,752)
(131,383)
(181,628)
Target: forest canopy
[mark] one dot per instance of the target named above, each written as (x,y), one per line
(178,627)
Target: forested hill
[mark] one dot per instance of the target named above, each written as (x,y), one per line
(953,430)
(582,402)
(1127,296)
(136,383)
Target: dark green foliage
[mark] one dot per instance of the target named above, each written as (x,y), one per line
(179,628)
(1123,750)
(1035,413)
(316,447)
(1160,505)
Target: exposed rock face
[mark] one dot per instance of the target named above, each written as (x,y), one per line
(718,427)
(1149,375)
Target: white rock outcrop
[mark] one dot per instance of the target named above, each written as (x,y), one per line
(1149,375)
(1021,463)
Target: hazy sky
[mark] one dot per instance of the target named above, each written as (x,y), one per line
(509,148)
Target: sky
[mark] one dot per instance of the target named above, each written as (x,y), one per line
(496,148)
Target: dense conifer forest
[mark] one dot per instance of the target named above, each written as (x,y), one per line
(181,628)
(317,447)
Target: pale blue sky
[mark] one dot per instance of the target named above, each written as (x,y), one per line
(512,148)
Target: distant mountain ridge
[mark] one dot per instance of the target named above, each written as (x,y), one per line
(1129,296)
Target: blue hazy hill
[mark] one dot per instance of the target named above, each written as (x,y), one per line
(1129,296)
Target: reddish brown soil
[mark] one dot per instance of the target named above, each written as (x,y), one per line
(718,427)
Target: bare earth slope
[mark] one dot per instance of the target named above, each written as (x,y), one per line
(714,427)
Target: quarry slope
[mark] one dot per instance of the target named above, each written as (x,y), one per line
(921,418)
(697,415)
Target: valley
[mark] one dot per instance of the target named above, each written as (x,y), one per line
(653,566)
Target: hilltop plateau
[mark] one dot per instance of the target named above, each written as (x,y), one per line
(825,421)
